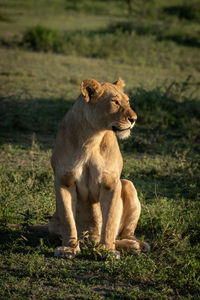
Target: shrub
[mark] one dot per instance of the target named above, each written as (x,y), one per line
(40,38)
(160,30)
(188,11)
(164,113)
(166,106)
(85,43)
(120,40)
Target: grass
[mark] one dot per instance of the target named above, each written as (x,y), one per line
(156,51)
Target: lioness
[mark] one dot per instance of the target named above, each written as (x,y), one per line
(87,163)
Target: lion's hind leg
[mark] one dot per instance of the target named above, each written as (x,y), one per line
(129,220)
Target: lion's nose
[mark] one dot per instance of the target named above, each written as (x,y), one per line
(132,120)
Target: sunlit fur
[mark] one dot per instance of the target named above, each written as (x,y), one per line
(87,163)
(123,134)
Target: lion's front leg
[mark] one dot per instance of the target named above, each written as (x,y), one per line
(96,222)
(66,199)
(111,206)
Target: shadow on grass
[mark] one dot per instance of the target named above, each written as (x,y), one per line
(20,119)
(167,115)
(25,241)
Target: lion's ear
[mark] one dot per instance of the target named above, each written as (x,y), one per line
(91,89)
(120,83)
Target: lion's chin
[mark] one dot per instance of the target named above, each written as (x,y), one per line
(122,135)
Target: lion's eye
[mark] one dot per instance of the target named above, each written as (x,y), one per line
(116,102)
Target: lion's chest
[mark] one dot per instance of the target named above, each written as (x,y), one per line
(98,169)
(88,181)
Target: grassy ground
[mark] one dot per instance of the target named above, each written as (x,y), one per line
(156,51)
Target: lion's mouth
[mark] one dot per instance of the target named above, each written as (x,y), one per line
(114,128)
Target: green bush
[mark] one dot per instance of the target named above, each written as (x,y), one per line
(189,11)
(84,43)
(159,30)
(40,38)
(165,113)
(167,106)
(119,40)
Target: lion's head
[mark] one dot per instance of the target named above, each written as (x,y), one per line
(108,107)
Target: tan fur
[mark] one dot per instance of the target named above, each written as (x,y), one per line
(87,164)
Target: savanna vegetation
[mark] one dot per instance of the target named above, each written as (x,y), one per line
(46,49)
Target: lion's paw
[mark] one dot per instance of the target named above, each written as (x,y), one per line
(141,246)
(132,243)
(66,252)
(112,252)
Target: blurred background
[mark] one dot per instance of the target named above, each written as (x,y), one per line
(159,38)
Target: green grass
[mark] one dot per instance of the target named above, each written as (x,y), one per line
(47,49)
